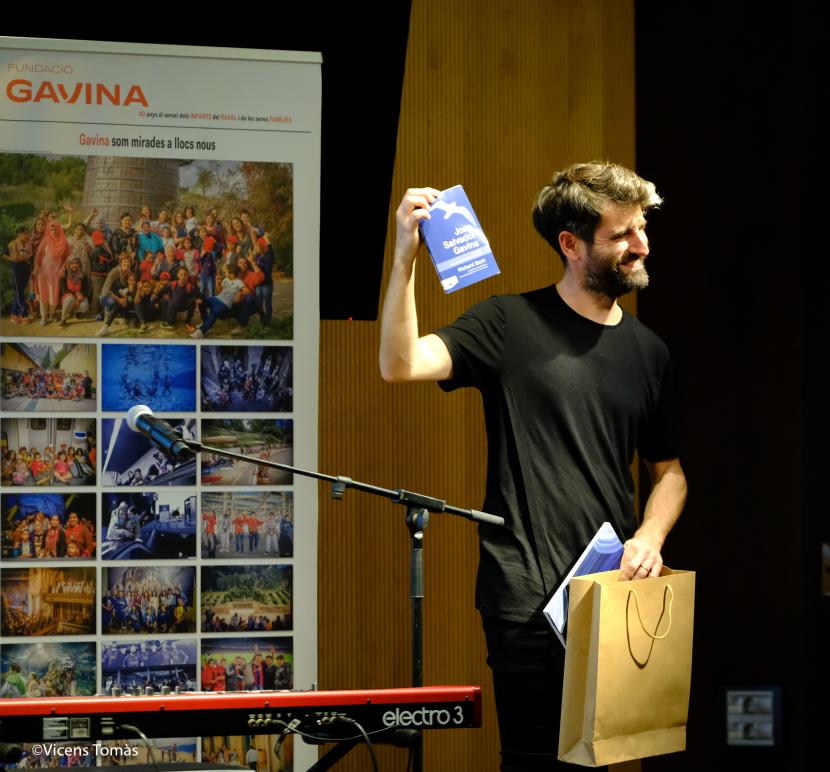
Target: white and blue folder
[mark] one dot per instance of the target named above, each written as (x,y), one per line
(603,553)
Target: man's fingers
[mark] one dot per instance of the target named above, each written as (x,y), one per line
(418,198)
(430,193)
(419,214)
(639,562)
(412,204)
(632,570)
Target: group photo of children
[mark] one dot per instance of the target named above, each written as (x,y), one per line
(246,524)
(44,526)
(139,599)
(55,377)
(247,664)
(208,253)
(48,451)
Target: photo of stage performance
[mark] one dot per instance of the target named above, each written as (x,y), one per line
(247,664)
(44,526)
(136,664)
(148,599)
(47,669)
(156,525)
(247,379)
(47,601)
(161,377)
(273,754)
(246,598)
(48,451)
(53,377)
(130,459)
(208,253)
(270,439)
(267,516)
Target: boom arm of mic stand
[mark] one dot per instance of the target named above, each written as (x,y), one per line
(340,484)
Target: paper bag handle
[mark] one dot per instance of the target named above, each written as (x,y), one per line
(668,590)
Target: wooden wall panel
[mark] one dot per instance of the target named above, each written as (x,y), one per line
(497,95)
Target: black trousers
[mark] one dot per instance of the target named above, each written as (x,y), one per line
(528,664)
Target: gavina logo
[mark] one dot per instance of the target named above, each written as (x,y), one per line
(71,93)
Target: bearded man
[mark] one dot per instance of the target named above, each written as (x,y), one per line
(571,386)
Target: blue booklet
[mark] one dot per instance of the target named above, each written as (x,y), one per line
(459,249)
(603,553)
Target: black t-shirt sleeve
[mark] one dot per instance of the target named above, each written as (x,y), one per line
(476,343)
(658,437)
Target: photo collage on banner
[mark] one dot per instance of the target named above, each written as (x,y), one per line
(165,267)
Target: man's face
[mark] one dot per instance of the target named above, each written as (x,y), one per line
(145,227)
(615,262)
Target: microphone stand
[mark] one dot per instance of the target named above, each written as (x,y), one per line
(418,507)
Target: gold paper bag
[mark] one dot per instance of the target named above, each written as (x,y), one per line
(628,667)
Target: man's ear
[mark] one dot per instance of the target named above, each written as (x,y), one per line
(569,243)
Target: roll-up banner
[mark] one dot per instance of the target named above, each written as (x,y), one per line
(159,221)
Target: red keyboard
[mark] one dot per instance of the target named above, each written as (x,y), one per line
(231,713)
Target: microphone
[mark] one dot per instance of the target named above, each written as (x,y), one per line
(141,419)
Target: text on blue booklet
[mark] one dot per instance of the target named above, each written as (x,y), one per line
(459,249)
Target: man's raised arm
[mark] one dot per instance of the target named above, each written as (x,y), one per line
(403,355)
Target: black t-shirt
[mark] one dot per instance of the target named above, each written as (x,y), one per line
(567,401)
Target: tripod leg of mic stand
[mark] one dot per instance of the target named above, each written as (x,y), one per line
(330,758)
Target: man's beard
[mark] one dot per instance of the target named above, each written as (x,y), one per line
(605,276)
